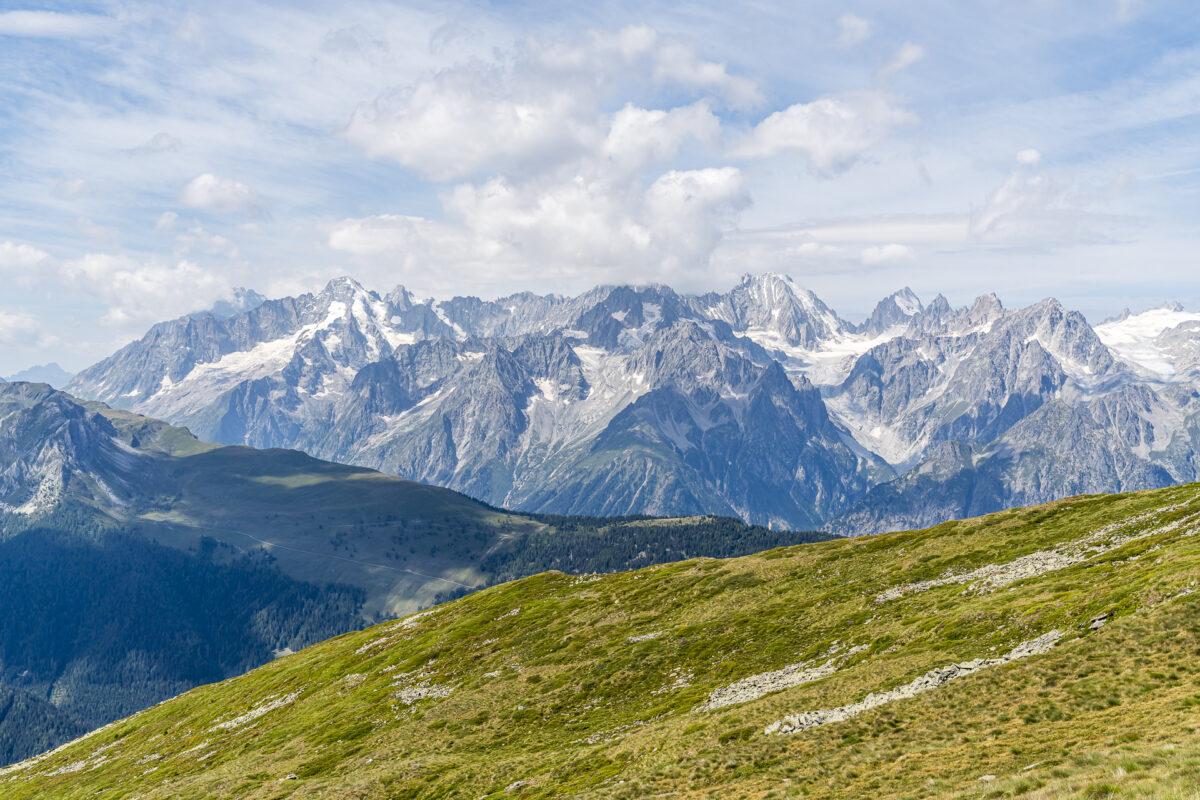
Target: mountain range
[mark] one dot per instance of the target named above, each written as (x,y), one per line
(760,402)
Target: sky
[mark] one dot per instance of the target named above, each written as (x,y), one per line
(156,155)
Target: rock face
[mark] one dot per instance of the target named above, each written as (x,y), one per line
(938,676)
(759,402)
(52,448)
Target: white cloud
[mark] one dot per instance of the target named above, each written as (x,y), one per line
(577,226)
(136,292)
(638,136)
(1029,157)
(853,29)
(582,222)
(166,222)
(21,259)
(831,133)
(197,238)
(50,24)
(18,329)
(1012,205)
(1046,210)
(465,121)
(886,254)
(549,180)
(212,193)
(535,108)
(637,51)
(677,63)
(383,233)
(906,55)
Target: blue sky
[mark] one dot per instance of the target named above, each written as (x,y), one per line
(156,155)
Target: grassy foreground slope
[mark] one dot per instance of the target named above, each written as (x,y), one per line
(659,681)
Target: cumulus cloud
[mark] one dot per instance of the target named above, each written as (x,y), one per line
(1029,157)
(50,24)
(853,29)
(465,121)
(886,254)
(637,51)
(545,175)
(535,108)
(213,193)
(382,233)
(637,136)
(830,133)
(137,292)
(20,260)
(133,292)
(575,226)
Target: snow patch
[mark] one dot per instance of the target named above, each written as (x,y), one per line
(1135,338)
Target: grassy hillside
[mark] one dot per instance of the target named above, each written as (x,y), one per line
(671,679)
(139,562)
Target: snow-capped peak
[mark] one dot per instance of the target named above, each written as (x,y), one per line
(907,301)
(346,289)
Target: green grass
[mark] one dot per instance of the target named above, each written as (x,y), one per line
(556,696)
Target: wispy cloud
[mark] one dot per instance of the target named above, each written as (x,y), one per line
(52,24)
(853,29)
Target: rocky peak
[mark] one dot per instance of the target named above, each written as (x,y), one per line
(777,306)
(896,309)
(1065,335)
(400,299)
(346,289)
